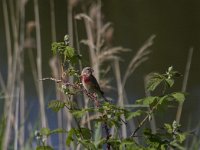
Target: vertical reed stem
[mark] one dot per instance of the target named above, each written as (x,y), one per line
(39,65)
(185,80)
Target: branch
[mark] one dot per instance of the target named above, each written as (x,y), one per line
(75,86)
(107,136)
(144,120)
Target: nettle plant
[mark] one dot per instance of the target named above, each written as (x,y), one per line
(109,115)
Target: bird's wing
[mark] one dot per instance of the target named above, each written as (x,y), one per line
(95,84)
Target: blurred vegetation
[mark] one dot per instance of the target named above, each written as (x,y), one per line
(79,122)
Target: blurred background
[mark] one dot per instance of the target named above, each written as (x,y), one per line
(169,31)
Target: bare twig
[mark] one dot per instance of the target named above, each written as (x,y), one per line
(91,96)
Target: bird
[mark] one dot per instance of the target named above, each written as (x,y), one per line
(90,82)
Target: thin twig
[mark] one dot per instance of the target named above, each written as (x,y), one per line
(91,96)
(107,136)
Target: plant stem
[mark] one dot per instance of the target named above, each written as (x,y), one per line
(39,64)
(145,119)
(186,75)
(107,136)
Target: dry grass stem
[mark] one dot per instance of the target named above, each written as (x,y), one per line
(185,80)
(140,57)
(39,65)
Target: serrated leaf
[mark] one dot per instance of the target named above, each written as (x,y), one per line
(78,113)
(45,131)
(149,100)
(178,96)
(44,148)
(170,82)
(69,52)
(154,81)
(69,138)
(56,105)
(181,137)
(86,133)
(168,127)
(131,115)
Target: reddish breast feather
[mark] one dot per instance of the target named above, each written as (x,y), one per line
(85,79)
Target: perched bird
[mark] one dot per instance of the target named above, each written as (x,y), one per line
(90,83)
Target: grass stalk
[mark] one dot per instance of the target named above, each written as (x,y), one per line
(184,86)
(53,22)
(138,59)
(12,74)
(120,94)
(21,80)
(39,65)
(16,120)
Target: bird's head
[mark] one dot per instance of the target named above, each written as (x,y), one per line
(87,71)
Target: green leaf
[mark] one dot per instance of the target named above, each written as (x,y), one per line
(45,131)
(168,127)
(181,137)
(100,142)
(154,81)
(178,96)
(78,113)
(70,134)
(86,133)
(147,100)
(130,115)
(56,105)
(177,146)
(129,144)
(59,130)
(115,143)
(170,82)
(87,144)
(69,52)
(44,148)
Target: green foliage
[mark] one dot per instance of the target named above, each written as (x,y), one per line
(169,137)
(65,52)
(42,136)
(130,115)
(56,105)
(78,135)
(165,80)
(109,116)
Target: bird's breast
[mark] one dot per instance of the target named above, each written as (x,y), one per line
(85,79)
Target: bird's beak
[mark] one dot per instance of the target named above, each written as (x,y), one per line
(92,70)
